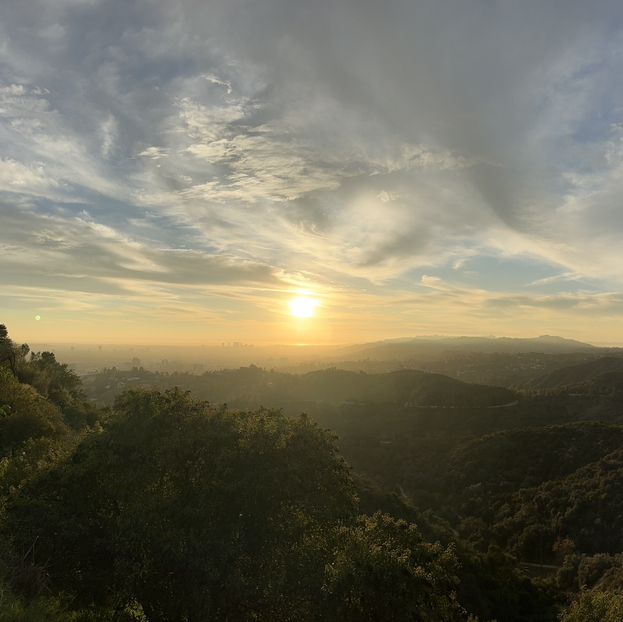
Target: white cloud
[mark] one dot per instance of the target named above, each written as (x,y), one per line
(20,178)
(154,153)
(214,80)
(109,132)
(354,145)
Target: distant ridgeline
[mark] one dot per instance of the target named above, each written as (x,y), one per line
(455,502)
(253,386)
(604,373)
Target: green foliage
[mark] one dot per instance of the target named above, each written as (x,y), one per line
(585,508)
(178,510)
(47,608)
(494,587)
(251,386)
(40,609)
(528,491)
(26,414)
(514,459)
(595,607)
(191,511)
(384,570)
(585,376)
(51,378)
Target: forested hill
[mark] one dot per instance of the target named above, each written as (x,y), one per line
(250,386)
(605,371)
(166,507)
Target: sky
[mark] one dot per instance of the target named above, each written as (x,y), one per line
(178,172)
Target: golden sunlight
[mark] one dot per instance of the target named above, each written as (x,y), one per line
(303,306)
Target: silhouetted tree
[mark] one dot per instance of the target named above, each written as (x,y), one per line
(7,349)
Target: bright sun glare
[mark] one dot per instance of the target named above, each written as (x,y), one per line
(303,307)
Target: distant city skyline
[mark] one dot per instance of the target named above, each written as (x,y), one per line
(310,172)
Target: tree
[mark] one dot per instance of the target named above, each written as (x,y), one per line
(384,571)
(595,606)
(194,512)
(25,415)
(7,349)
(51,378)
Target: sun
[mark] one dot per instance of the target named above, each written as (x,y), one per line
(303,306)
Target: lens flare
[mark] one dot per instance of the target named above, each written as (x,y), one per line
(303,307)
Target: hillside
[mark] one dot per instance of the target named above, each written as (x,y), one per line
(167,504)
(514,459)
(599,372)
(253,386)
(584,508)
(507,483)
(531,491)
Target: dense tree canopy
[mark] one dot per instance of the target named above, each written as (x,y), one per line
(165,508)
(385,571)
(595,607)
(192,511)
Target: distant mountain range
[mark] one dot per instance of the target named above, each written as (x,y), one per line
(425,346)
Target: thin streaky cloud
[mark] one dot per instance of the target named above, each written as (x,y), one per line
(370,153)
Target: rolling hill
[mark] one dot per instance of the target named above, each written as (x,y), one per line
(604,371)
(253,386)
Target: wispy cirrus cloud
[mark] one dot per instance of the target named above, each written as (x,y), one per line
(349,147)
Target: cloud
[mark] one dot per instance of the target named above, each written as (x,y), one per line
(25,179)
(352,146)
(77,254)
(557,278)
(109,132)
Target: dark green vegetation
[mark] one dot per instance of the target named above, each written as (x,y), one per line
(253,386)
(437,501)
(604,373)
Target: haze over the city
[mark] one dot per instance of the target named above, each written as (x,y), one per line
(310,172)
